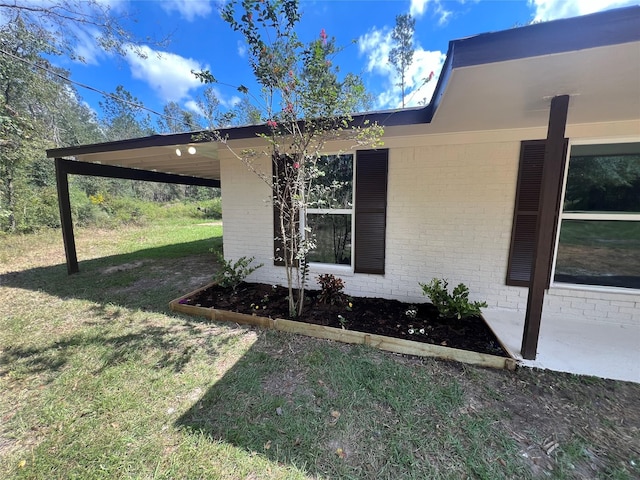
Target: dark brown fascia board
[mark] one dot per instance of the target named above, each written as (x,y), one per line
(387,118)
(612,27)
(129,144)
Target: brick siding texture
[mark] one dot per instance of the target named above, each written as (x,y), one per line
(449,215)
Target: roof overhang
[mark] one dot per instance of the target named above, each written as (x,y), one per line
(489,82)
(179,154)
(603,83)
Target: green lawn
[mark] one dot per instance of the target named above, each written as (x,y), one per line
(99,380)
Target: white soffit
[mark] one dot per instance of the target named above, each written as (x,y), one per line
(204,163)
(604,84)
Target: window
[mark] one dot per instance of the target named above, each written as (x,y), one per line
(348,216)
(353,216)
(330,212)
(599,242)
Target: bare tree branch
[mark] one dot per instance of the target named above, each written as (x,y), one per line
(68,23)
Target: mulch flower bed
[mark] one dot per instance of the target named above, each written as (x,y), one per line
(391,318)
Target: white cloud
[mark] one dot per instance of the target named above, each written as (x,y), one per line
(442,13)
(188,9)
(424,63)
(193,106)
(376,46)
(552,9)
(242,48)
(419,7)
(166,73)
(87,49)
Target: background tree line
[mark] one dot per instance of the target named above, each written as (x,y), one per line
(39,110)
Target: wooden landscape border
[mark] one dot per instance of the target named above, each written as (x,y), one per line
(381,342)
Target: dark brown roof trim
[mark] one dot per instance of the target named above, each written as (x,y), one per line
(612,27)
(407,116)
(129,144)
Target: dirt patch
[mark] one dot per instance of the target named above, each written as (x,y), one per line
(391,318)
(191,271)
(287,385)
(123,268)
(7,446)
(557,417)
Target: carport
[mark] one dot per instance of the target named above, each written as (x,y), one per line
(176,158)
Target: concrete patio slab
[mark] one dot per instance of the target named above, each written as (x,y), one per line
(602,350)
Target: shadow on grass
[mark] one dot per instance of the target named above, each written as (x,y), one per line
(117,285)
(271,404)
(161,274)
(176,350)
(349,413)
(343,412)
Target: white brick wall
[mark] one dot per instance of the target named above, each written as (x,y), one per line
(246,214)
(450,211)
(592,306)
(449,215)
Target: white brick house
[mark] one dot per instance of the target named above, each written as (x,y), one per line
(453,194)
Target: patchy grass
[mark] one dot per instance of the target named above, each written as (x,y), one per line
(100,380)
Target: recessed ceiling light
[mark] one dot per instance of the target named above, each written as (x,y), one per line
(178,152)
(191,150)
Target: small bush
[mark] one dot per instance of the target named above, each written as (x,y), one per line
(85,211)
(330,289)
(126,210)
(210,209)
(231,273)
(455,304)
(37,209)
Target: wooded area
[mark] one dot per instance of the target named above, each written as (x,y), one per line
(41,109)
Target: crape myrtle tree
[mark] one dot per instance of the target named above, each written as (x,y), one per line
(305,102)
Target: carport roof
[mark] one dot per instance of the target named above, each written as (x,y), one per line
(490,81)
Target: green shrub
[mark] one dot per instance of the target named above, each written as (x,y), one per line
(127,210)
(210,209)
(85,213)
(455,304)
(37,209)
(231,273)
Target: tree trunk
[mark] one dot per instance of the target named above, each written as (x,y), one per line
(11,203)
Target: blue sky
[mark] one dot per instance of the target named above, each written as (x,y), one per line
(200,39)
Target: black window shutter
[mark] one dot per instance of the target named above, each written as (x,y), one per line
(278,166)
(371,210)
(523,232)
